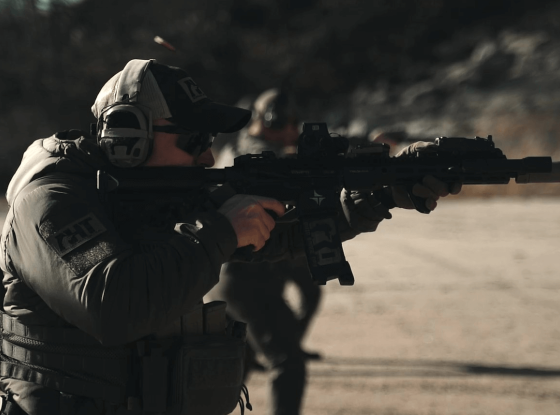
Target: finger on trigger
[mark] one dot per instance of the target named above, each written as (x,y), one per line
(272,204)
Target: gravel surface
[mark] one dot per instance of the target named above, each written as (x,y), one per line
(452,313)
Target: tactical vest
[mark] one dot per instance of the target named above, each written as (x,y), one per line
(195,366)
(198,370)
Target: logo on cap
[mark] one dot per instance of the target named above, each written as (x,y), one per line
(192,89)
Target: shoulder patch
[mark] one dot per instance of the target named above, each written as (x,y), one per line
(73,235)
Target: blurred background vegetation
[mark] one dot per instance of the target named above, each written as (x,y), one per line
(425,67)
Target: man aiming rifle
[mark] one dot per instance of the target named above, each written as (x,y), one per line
(104,279)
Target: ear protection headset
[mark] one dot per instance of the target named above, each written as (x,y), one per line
(124,132)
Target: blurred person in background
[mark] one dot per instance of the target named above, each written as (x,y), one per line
(275,126)
(255,292)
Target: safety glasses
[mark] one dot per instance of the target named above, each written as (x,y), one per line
(193,142)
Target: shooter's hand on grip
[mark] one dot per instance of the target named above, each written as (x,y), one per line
(422,196)
(247,215)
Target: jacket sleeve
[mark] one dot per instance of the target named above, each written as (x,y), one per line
(64,247)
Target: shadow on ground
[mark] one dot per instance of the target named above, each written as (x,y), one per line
(351,367)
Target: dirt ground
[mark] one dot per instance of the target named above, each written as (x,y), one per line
(452,313)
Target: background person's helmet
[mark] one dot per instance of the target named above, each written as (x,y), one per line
(274,109)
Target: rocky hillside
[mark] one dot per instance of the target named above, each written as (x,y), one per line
(425,67)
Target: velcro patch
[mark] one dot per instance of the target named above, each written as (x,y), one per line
(192,89)
(73,235)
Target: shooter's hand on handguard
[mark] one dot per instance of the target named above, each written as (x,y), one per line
(247,214)
(430,190)
(363,211)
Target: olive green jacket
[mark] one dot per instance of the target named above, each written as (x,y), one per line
(65,264)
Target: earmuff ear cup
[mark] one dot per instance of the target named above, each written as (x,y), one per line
(124,135)
(124,129)
(125,151)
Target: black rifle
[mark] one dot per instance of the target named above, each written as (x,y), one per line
(313,179)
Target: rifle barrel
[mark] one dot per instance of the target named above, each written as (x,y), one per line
(552,177)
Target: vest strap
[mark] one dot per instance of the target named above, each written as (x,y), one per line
(53,335)
(64,359)
(66,384)
(94,366)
